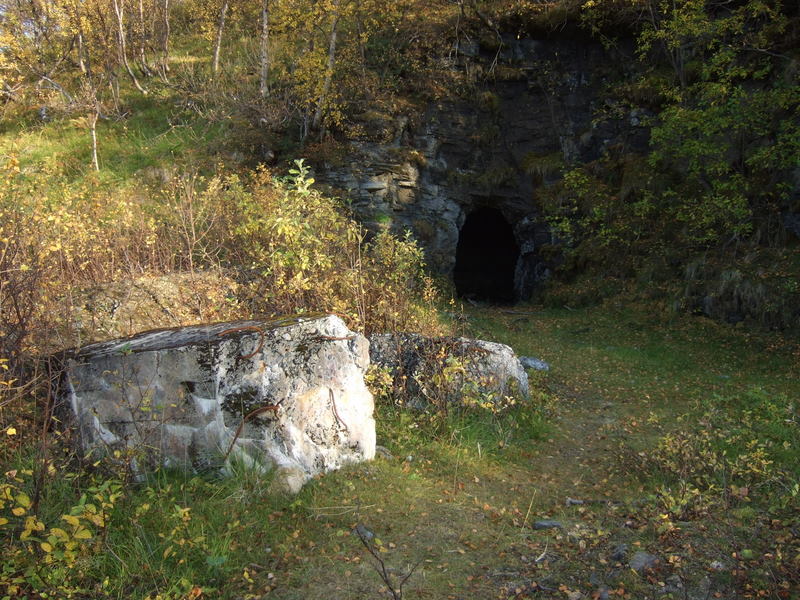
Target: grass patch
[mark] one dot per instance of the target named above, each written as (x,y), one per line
(691,426)
(145,139)
(461,493)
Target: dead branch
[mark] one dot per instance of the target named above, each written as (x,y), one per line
(577,502)
(252,414)
(336,412)
(260,332)
(380,567)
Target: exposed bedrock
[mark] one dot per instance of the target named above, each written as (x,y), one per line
(464,176)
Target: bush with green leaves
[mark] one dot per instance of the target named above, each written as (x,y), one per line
(53,554)
(301,251)
(734,449)
(722,89)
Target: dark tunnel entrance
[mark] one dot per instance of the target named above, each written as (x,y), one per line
(486,257)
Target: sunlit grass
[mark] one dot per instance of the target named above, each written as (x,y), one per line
(144,137)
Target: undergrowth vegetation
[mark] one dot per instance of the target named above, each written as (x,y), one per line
(701,211)
(289,248)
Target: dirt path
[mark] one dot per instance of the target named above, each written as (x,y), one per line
(473,521)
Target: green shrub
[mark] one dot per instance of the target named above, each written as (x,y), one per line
(741,448)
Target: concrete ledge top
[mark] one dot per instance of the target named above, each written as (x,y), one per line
(176,337)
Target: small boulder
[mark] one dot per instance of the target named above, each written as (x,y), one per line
(437,371)
(537,364)
(547,524)
(287,481)
(642,561)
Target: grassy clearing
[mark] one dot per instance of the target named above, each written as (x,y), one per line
(459,497)
(693,427)
(146,142)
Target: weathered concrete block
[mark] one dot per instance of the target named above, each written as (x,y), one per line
(287,393)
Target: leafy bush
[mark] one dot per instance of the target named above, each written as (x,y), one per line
(51,556)
(294,250)
(743,449)
(300,251)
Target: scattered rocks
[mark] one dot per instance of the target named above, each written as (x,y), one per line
(673,585)
(619,553)
(642,561)
(383,452)
(287,394)
(547,524)
(717,565)
(363,532)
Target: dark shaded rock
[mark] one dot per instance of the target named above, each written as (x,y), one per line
(791,221)
(547,524)
(642,561)
(673,585)
(496,150)
(619,553)
(383,452)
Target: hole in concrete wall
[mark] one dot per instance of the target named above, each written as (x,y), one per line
(486,257)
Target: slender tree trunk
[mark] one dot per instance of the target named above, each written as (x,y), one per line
(93,130)
(326,86)
(83,58)
(81,62)
(218,42)
(264,54)
(165,42)
(123,51)
(113,85)
(141,42)
(361,51)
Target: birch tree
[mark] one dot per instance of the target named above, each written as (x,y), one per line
(264,50)
(223,11)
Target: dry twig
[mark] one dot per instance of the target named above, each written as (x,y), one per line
(336,412)
(252,414)
(260,332)
(380,567)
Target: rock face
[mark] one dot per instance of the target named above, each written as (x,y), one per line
(494,148)
(439,371)
(186,396)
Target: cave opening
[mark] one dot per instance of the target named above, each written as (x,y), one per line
(486,257)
